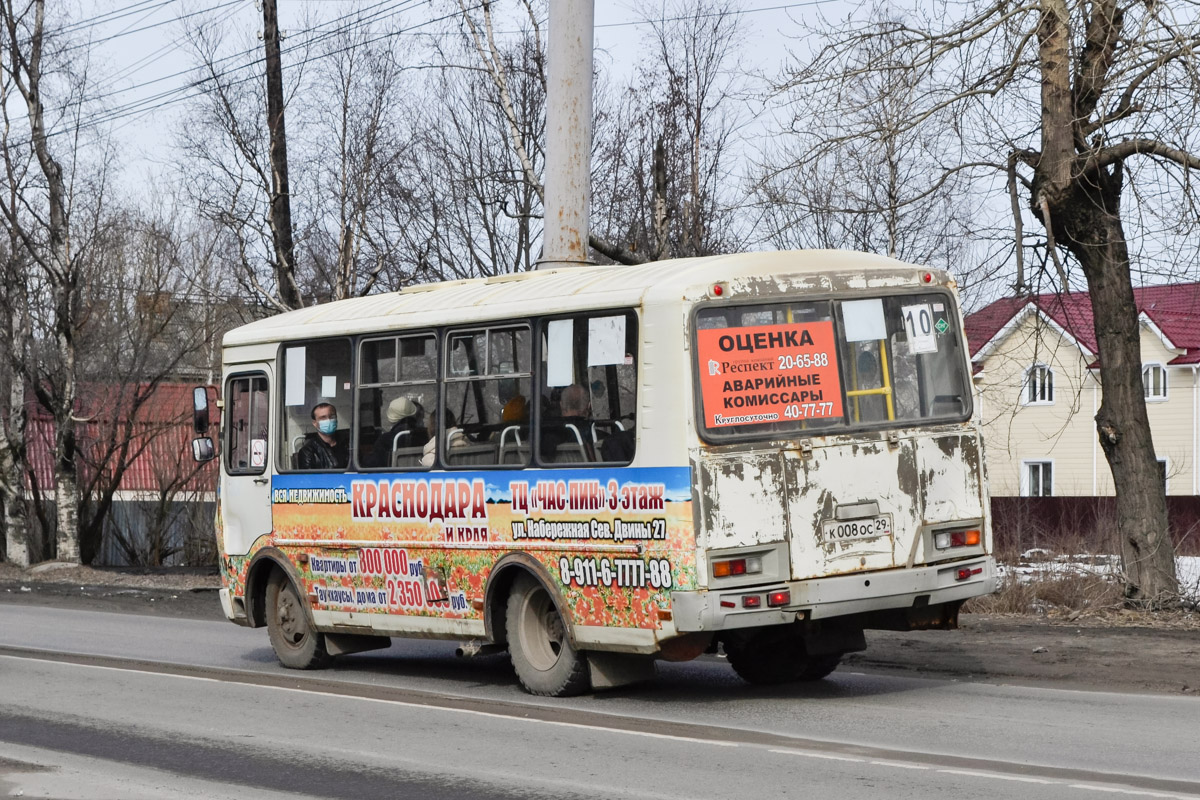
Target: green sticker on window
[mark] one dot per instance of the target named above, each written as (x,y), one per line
(941,325)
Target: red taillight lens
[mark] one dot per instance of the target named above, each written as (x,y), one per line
(965,573)
(964,538)
(723,569)
(946,539)
(775,599)
(737,566)
(751,601)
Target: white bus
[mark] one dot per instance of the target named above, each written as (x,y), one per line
(596,467)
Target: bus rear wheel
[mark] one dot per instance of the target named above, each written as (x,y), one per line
(770,659)
(542,656)
(297,645)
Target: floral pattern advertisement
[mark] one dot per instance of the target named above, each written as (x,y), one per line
(616,542)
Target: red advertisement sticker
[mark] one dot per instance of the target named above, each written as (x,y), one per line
(769,373)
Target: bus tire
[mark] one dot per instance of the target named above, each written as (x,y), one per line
(297,645)
(542,656)
(768,660)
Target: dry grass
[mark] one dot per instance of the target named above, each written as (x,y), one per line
(1057,591)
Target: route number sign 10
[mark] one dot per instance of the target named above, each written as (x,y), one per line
(918,323)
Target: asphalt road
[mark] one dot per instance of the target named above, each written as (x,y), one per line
(98,705)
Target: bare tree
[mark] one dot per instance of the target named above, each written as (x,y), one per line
(137,337)
(53,225)
(225,166)
(664,180)
(1091,104)
(864,178)
(15,342)
(521,119)
(354,147)
(470,186)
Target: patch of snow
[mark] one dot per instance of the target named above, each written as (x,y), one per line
(1040,564)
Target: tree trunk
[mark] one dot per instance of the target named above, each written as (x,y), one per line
(14,453)
(281,197)
(1088,223)
(12,463)
(1082,212)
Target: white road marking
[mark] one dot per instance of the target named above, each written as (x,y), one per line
(1138,792)
(399,703)
(812,754)
(999,776)
(670,737)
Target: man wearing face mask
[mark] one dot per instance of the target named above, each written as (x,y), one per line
(326,450)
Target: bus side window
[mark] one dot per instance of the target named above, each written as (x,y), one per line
(246,425)
(318,411)
(588,392)
(485,420)
(397,396)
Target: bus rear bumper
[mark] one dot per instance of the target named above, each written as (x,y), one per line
(837,596)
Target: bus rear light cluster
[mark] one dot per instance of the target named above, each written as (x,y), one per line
(776,599)
(756,600)
(736,566)
(947,539)
(967,572)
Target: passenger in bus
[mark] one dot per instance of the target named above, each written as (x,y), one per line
(571,428)
(454,436)
(329,448)
(407,430)
(515,411)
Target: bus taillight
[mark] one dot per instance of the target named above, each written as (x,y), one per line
(947,539)
(736,566)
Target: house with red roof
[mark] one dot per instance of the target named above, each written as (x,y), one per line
(1037,389)
(134,444)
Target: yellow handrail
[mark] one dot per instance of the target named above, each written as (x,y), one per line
(885,389)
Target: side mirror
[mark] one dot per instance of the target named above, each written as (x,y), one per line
(203,450)
(200,412)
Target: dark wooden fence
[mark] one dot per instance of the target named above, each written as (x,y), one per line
(1081,524)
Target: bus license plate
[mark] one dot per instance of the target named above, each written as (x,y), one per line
(841,530)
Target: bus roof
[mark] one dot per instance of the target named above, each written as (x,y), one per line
(547,291)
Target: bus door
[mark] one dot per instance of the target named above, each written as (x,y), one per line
(246,476)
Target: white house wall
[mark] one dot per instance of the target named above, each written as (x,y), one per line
(1064,432)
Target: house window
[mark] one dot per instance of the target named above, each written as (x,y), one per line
(1154,379)
(1039,479)
(1039,385)
(1162,473)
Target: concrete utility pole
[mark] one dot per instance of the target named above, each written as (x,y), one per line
(281,198)
(568,134)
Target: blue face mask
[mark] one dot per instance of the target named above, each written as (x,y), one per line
(327,426)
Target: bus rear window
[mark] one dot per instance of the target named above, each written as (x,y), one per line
(798,368)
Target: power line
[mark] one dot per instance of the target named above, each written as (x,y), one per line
(731,13)
(132,106)
(131,31)
(115,14)
(139,107)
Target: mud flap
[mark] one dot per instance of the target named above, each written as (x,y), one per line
(340,644)
(829,640)
(610,670)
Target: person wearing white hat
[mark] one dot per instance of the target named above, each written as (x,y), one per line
(404,415)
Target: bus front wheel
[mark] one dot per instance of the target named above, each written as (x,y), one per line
(542,655)
(769,659)
(297,645)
